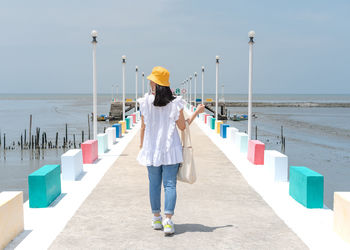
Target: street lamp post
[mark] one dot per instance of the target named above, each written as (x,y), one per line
(143,83)
(94,89)
(195,89)
(216,89)
(190,91)
(202,84)
(123,72)
(136,75)
(251,36)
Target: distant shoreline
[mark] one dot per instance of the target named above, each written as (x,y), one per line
(291,104)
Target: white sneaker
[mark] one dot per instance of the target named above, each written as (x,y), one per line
(157,223)
(169,227)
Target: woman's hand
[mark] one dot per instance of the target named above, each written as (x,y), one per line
(200,108)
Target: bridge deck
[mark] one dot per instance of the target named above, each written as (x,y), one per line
(219,211)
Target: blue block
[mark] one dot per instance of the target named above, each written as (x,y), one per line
(223,130)
(118,130)
(306,186)
(44,186)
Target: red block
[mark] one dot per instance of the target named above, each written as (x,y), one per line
(133,118)
(205,118)
(256,152)
(89,149)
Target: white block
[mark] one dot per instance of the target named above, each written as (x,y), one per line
(201,116)
(276,164)
(71,164)
(231,134)
(111,133)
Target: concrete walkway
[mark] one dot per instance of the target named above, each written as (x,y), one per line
(219,211)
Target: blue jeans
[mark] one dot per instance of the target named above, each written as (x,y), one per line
(155,175)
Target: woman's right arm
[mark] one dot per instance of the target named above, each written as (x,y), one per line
(181,121)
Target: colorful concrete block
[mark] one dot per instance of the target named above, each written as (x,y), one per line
(223,130)
(118,130)
(138,115)
(306,186)
(11,216)
(133,118)
(256,150)
(128,121)
(44,186)
(341,209)
(212,123)
(89,149)
(277,165)
(241,140)
(111,132)
(217,126)
(209,118)
(72,164)
(206,118)
(123,123)
(231,134)
(102,143)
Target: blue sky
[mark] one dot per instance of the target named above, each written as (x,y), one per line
(301,46)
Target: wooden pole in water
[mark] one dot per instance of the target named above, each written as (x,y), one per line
(89,125)
(30,131)
(256,132)
(94,42)
(202,84)
(4,142)
(251,36)
(216,87)
(74,140)
(66,133)
(56,141)
(82,136)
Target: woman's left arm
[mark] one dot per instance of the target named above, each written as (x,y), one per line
(142,134)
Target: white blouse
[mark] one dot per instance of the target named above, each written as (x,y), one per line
(161,142)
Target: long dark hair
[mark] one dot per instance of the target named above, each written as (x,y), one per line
(163,96)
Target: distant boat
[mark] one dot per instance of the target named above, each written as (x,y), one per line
(237,117)
(102,118)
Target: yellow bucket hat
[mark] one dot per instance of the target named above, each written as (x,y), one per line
(160,76)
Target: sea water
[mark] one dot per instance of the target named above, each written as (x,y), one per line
(318,138)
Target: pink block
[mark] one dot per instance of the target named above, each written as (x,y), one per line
(205,118)
(256,152)
(89,149)
(133,118)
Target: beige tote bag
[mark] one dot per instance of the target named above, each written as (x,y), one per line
(187,171)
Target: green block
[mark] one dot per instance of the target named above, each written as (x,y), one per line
(212,123)
(44,186)
(128,123)
(306,186)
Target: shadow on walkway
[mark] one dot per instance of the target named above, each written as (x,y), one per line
(190,228)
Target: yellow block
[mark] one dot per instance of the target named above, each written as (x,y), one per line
(341,215)
(123,123)
(11,216)
(217,126)
(209,100)
(128,100)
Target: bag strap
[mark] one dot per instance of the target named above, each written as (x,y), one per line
(187,137)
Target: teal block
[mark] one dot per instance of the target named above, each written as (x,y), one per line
(212,123)
(242,142)
(209,121)
(102,143)
(128,122)
(306,186)
(44,186)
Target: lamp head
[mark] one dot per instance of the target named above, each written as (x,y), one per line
(123,59)
(94,33)
(251,34)
(195,74)
(202,68)
(217,59)
(137,68)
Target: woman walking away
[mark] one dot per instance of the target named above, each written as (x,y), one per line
(161,149)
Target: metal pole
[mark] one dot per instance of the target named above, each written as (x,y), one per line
(195,88)
(202,84)
(94,98)
(123,71)
(251,35)
(143,83)
(136,73)
(190,91)
(216,89)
